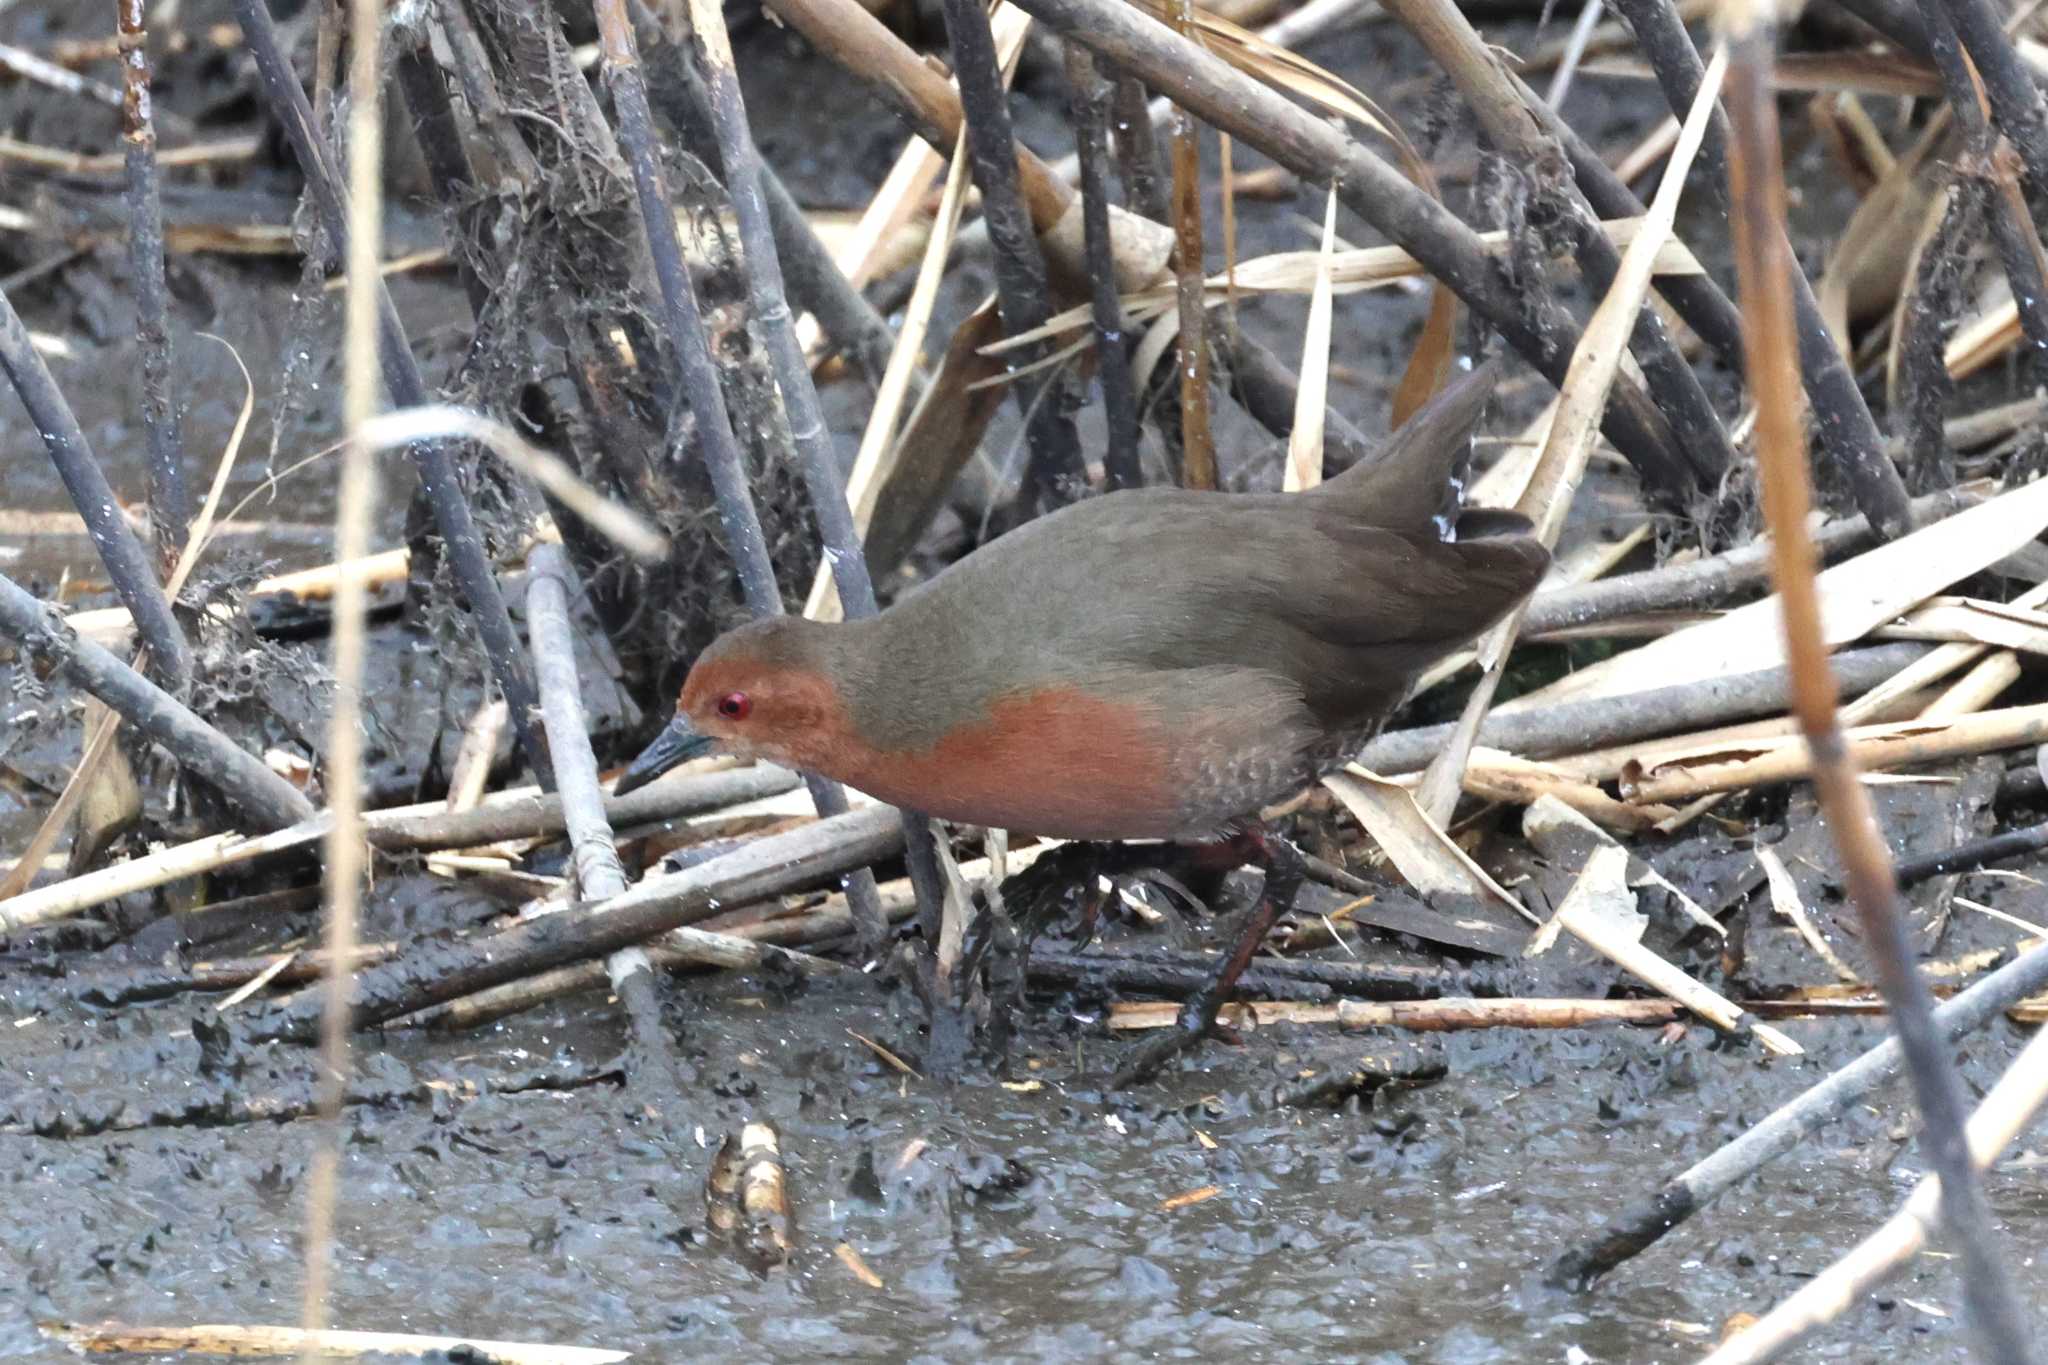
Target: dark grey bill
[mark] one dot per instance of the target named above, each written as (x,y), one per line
(678,742)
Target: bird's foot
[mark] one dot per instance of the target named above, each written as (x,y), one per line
(1188,1030)
(1197,1020)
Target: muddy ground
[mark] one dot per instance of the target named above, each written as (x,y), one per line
(1028,1214)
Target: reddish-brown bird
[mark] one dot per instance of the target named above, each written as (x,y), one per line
(1154,663)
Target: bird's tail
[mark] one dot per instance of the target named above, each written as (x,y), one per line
(1417,477)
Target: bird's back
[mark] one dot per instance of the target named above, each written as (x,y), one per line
(1344,592)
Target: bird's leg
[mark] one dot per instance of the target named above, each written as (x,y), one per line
(1285,871)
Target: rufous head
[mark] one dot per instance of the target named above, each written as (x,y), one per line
(763,690)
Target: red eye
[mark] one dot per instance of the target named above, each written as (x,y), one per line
(735,705)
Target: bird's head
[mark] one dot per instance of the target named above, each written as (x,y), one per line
(764,690)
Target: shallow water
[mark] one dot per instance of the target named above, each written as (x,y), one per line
(1411,1228)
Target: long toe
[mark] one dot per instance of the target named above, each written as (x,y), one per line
(1155,1052)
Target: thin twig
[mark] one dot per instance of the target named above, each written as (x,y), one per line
(1198,445)
(1054,472)
(1090,96)
(354,510)
(127,565)
(1763,262)
(1640,1226)
(169,504)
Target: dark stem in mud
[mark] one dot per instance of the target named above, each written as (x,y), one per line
(1991,155)
(264,798)
(600,876)
(1321,155)
(697,370)
(1924,384)
(813,439)
(439,134)
(2017,106)
(1696,298)
(1977,853)
(1137,152)
(813,279)
(1090,109)
(1054,472)
(1505,118)
(1638,1228)
(1190,346)
(402,381)
(439,972)
(472,68)
(126,562)
(1756,192)
(1847,430)
(170,507)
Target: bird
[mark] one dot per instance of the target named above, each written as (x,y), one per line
(1151,663)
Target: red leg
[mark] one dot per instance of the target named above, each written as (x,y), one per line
(1284,874)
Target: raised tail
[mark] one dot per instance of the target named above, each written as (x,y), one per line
(1416,477)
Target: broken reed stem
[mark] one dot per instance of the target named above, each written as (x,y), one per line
(2019,243)
(650,1071)
(1576,727)
(1448,249)
(1639,1227)
(439,480)
(2017,106)
(260,795)
(135,581)
(1191,356)
(1763,265)
(169,503)
(1054,473)
(1847,430)
(437,972)
(2003,1115)
(812,438)
(354,510)
(1090,109)
(527,814)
